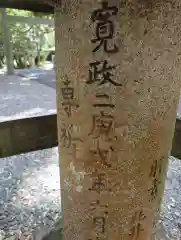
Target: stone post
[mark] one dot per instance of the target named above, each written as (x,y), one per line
(7,42)
(118,85)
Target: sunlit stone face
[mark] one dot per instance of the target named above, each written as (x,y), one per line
(118,68)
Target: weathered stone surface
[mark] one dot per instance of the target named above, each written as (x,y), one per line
(147,70)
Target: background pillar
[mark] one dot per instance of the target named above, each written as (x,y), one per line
(118,85)
(7,42)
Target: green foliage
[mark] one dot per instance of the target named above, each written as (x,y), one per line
(27,40)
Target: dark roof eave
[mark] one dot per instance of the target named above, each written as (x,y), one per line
(29,5)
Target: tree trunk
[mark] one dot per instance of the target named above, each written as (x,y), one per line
(1,62)
(118,87)
(37,59)
(20,62)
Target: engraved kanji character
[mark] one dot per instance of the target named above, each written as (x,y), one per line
(99,223)
(156,168)
(103,155)
(99,220)
(66,80)
(68,96)
(102,124)
(104,27)
(68,107)
(101,72)
(137,224)
(97,205)
(154,189)
(103,96)
(66,136)
(99,182)
(68,93)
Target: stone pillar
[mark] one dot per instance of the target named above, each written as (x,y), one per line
(7,42)
(118,85)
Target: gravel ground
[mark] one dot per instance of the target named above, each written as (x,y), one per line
(29,183)
(169,227)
